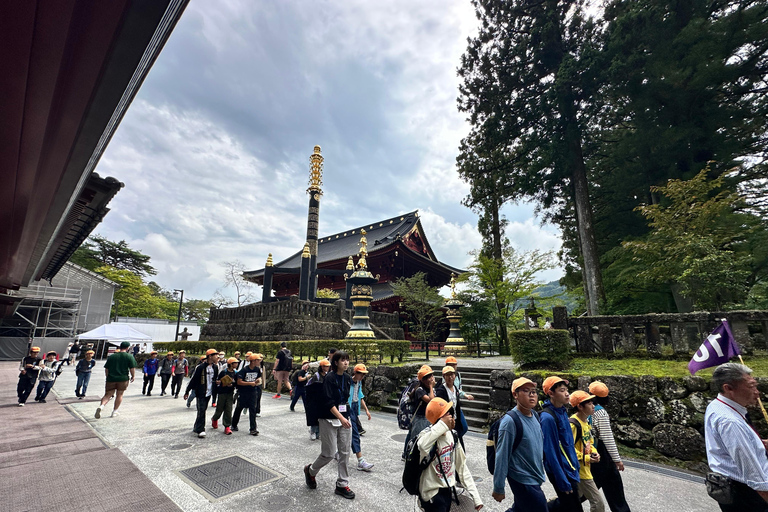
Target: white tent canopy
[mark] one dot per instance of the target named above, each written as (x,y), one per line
(115,332)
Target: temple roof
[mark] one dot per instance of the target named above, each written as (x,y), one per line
(380,235)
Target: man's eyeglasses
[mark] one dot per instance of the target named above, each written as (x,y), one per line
(530,392)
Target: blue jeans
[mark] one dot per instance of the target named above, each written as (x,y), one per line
(82,383)
(528,498)
(43,388)
(299,391)
(354,413)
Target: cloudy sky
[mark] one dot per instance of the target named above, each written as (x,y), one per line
(214,151)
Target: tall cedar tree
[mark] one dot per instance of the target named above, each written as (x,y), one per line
(530,89)
(97,251)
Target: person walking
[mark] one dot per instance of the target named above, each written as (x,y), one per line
(437,482)
(150,370)
(420,397)
(300,387)
(165,369)
(586,451)
(83,372)
(448,391)
(335,427)
(47,377)
(735,452)
(225,387)
(283,364)
(522,466)
(606,474)
(203,381)
(461,420)
(560,461)
(120,369)
(28,371)
(247,380)
(180,370)
(314,398)
(356,399)
(72,350)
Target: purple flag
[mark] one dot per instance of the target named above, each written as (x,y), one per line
(718,348)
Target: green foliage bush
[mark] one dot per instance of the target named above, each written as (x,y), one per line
(541,347)
(359,350)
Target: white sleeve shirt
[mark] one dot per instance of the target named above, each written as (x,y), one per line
(734,449)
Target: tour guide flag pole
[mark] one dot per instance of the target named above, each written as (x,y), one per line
(718,348)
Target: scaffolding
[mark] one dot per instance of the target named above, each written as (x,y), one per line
(43,312)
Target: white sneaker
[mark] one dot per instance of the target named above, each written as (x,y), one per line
(115,413)
(21,404)
(98,411)
(362,465)
(311,434)
(201,434)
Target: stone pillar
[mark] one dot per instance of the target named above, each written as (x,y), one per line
(652,338)
(765,332)
(269,271)
(628,337)
(348,293)
(679,339)
(692,337)
(606,339)
(304,276)
(584,341)
(559,317)
(740,332)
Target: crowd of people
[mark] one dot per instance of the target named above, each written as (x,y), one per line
(533,442)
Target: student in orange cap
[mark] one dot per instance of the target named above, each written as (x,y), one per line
(355,401)
(203,381)
(300,385)
(420,397)
(180,370)
(28,369)
(586,451)
(247,381)
(150,370)
(83,372)
(314,397)
(225,387)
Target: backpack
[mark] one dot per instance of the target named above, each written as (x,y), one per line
(414,465)
(493,437)
(404,412)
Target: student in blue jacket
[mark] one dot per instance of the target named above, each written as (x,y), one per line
(150,370)
(560,460)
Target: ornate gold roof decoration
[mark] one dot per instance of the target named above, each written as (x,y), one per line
(316,171)
(305,253)
(453,285)
(269,260)
(361,263)
(350,264)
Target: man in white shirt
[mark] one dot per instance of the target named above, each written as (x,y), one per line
(734,448)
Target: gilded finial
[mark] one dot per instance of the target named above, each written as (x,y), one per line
(361,263)
(269,260)
(350,264)
(315,171)
(453,285)
(305,252)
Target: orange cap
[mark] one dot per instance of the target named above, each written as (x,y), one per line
(153,352)
(211,351)
(255,357)
(424,371)
(232,360)
(360,368)
(519,382)
(248,353)
(325,362)
(436,409)
(448,369)
(35,349)
(550,382)
(170,353)
(90,352)
(580,396)
(451,360)
(598,388)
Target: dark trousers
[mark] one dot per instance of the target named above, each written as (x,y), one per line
(565,502)
(43,388)
(149,382)
(224,406)
(746,500)
(24,388)
(608,478)
(440,502)
(176,384)
(245,401)
(202,406)
(354,419)
(528,498)
(299,391)
(164,378)
(258,399)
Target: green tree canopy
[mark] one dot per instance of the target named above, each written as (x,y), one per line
(423,304)
(134,298)
(97,252)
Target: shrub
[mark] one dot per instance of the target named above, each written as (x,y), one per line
(541,347)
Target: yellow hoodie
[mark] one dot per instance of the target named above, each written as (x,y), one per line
(584,447)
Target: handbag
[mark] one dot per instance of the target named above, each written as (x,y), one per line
(720,488)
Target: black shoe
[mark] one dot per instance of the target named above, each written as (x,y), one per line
(149,394)
(362,432)
(311,482)
(80,397)
(254,432)
(345,492)
(143,392)
(234,428)
(37,399)
(42,400)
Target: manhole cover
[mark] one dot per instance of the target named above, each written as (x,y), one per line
(223,477)
(279,503)
(159,431)
(182,446)
(400,438)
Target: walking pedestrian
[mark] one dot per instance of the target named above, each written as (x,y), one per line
(560,461)
(521,466)
(735,452)
(180,370)
(437,482)
(72,349)
(335,427)
(202,382)
(150,369)
(247,380)
(606,474)
(462,425)
(356,399)
(83,372)
(314,398)
(120,370)
(584,442)
(225,384)
(283,365)
(448,391)
(300,385)
(28,370)
(420,397)
(47,376)
(165,369)
(260,385)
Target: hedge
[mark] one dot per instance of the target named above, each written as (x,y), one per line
(359,350)
(541,347)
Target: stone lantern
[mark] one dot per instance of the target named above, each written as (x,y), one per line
(454,305)
(361,293)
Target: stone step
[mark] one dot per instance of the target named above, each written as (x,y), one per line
(472,389)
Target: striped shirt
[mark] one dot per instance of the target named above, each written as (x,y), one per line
(734,449)
(602,425)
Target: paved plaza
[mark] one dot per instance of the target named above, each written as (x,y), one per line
(151,444)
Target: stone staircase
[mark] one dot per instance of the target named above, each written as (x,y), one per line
(474,381)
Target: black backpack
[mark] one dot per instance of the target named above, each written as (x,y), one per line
(493,437)
(414,465)
(404,411)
